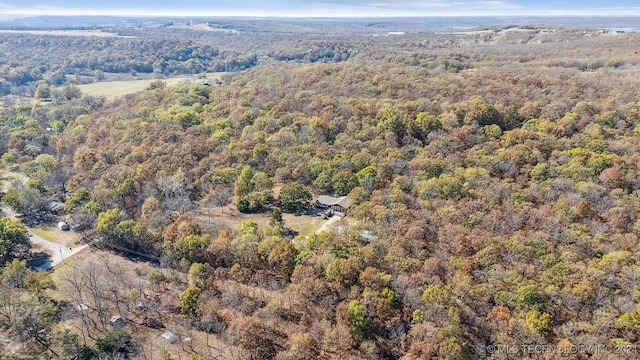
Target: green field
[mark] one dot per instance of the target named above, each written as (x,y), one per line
(303,224)
(114,89)
(45,234)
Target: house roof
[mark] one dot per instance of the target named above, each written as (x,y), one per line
(54,205)
(343,201)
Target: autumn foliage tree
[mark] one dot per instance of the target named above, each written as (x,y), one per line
(492,177)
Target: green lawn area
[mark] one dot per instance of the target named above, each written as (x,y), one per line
(305,225)
(51,232)
(229,217)
(44,233)
(114,89)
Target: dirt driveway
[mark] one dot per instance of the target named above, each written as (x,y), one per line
(327,225)
(57,251)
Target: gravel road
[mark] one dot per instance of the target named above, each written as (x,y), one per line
(58,252)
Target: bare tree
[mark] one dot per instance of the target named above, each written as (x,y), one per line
(74,283)
(117,284)
(57,180)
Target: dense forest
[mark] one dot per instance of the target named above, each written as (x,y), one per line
(493,174)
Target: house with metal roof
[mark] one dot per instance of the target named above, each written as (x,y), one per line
(55,207)
(335,205)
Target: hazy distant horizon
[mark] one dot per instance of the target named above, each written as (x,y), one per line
(321,8)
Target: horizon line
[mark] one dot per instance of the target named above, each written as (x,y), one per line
(633,12)
(312,17)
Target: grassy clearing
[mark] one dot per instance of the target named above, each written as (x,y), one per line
(7,177)
(229,217)
(114,89)
(305,225)
(207,345)
(78,261)
(52,233)
(45,234)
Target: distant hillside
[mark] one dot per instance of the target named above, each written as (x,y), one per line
(322,25)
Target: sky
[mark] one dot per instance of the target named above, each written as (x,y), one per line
(322,8)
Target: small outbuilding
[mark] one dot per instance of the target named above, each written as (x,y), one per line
(335,205)
(169,337)
(75,225)
(117,321)
(54,207)
(63,226)
(367,235)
